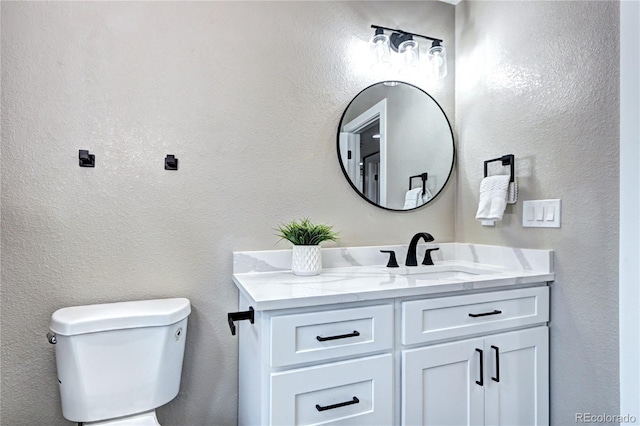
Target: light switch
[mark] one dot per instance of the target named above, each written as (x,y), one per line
(541,213)
(529,213)
(549,213)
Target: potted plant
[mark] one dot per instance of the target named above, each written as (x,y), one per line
(306,237)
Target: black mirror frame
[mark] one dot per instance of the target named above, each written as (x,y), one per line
(346,175)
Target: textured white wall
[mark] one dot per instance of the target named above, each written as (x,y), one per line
(540,80)
(248,96)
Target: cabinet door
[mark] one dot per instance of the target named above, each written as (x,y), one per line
(517,394)
(439,384)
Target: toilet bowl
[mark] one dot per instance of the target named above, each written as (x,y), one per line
(118,362)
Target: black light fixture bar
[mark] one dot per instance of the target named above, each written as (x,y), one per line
(406,32)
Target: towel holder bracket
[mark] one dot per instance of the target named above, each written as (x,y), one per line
(239,316)
(506,160)
(424,177)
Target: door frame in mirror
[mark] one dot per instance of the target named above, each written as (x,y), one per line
(377,112)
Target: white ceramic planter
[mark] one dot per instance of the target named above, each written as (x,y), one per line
(306,260)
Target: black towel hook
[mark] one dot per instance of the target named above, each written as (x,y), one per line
(86,159)
(170,162)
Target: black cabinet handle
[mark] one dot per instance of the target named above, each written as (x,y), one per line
(341,404)
(497,378)
(484,314)
(481,381)
(341,336)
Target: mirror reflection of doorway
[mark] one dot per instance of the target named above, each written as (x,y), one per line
(370,166)
(371,185)
(359,139)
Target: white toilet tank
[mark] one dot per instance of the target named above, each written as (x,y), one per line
(118,359)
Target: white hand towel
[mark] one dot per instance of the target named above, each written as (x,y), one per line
(423,198)
(512,197)
(415,198)
(412,198)
(493,197)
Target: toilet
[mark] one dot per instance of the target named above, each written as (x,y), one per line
(118,362)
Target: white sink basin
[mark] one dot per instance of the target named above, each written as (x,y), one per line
(441,272)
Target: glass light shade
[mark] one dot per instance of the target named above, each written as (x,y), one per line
(438,61)
(380,54)
(410,52)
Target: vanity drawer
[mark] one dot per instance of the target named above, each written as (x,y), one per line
(450,317)
(319,336)
(355,392)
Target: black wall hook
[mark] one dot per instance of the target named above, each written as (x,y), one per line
(86,159)
(170,162)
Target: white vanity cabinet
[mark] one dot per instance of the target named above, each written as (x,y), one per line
(468,359)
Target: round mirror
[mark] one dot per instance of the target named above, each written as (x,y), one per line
(395,146)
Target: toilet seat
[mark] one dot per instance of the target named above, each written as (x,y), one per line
(147,418)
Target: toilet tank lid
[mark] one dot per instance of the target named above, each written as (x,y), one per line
(117,316)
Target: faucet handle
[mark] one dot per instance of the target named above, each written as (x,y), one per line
(427,256)
(392,263)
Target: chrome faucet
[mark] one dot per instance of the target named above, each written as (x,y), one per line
(413,246)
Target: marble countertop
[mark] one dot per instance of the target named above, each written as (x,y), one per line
(359,274)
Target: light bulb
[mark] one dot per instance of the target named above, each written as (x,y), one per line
(410,52)
(380,55)
(438,60)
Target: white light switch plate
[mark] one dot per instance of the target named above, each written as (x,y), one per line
(541,214)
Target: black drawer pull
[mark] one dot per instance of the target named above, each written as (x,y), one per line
(484,314)
(342,336)
(342,404)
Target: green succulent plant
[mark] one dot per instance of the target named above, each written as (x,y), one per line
(306,233)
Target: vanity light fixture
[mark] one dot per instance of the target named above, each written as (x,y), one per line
(404,44)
